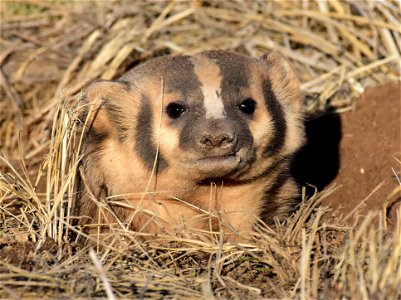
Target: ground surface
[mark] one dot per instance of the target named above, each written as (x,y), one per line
(368,151)
(357,152)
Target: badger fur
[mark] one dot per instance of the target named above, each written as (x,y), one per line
(191,143)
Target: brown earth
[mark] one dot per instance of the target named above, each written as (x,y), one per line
(358,152)
(369,150)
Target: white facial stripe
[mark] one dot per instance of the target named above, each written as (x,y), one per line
(213,103)
(209,75)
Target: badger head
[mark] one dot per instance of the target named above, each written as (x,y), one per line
(215,115)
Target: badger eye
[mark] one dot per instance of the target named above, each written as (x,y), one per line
(248,106)
(175,110)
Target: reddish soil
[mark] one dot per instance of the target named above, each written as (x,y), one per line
(357,151)
(369,149)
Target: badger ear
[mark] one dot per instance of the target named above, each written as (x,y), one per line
(105,109)
(284,81)
(102,90)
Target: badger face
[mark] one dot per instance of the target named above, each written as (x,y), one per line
(207,123)
(215,115)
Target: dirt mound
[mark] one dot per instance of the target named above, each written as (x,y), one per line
(368,152)
(359,151)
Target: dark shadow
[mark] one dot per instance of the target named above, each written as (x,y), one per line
(318,162)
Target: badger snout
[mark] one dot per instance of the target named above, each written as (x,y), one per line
(216,137)
(217,146)
(222,140)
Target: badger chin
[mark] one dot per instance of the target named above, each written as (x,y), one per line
(217,166)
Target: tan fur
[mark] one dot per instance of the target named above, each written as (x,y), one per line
(118,189)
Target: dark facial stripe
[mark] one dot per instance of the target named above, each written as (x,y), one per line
(145,146)
(278,119)
(179,75)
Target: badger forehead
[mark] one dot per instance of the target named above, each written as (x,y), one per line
(211,78)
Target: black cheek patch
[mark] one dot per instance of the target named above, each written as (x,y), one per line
(278,119)
(145,146)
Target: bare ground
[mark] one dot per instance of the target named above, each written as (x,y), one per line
(370,153)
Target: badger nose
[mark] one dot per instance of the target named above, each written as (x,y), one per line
(216,140)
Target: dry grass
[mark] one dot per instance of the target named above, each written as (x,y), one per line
(50,49)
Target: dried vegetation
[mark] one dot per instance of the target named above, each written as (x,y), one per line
(50,49)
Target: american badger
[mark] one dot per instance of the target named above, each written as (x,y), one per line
(193,142)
